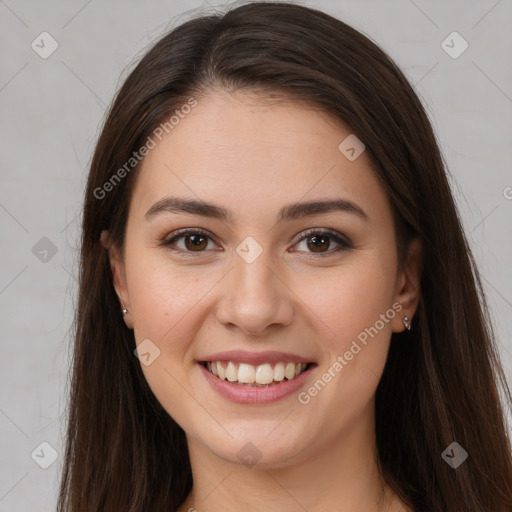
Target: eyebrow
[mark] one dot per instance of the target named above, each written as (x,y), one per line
(289,212)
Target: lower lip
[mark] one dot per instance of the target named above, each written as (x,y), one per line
(254,395)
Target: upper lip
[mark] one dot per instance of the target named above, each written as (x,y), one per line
(255,358)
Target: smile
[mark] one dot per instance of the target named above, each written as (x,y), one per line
(263,375)
(267,382)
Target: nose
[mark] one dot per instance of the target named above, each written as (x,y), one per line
(255,299)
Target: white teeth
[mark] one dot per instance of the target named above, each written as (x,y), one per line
(231,372)
(220,370)
(289,371)
(246,373)
(262,375)
(279,372)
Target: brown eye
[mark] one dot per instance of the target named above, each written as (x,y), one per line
(195,242)
(318,242)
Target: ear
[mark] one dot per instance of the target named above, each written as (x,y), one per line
(408,285)
(119,277)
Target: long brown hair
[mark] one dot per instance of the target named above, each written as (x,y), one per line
(442,380)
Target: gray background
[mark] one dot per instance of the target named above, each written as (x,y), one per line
(51,110)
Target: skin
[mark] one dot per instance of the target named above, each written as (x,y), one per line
(253,157)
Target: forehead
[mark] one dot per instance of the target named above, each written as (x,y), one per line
(249,154)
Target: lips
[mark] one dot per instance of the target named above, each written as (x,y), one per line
(255,377)
(254,393)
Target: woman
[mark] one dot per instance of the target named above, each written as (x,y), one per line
(278,307)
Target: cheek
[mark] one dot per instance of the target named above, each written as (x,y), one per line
(349,299)
(166,302)
(357,312)
(355,305)
(164,295)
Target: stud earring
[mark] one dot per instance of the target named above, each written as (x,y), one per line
(128,320)
(407,323)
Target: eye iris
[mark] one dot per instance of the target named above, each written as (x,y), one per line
(196,244)
(321,239)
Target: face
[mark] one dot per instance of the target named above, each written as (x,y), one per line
(319,284)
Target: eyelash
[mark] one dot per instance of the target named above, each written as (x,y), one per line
(344,243)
